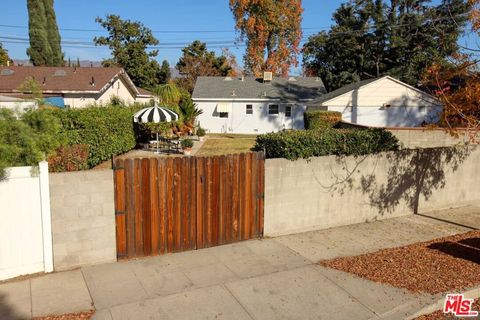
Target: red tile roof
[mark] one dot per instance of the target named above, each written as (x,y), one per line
(61,79)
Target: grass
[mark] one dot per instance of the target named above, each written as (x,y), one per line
(221,144)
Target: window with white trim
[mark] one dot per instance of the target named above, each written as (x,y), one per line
(223,114)
(273,110)
(249,109)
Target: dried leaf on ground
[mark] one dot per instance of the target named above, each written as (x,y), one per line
(70,316)
(440,265)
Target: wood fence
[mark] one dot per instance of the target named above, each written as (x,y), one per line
(185,203)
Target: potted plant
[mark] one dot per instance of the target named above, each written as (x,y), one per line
(187,145)
(201,133)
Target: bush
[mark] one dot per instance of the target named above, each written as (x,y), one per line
(305,144)
(201,132)
(315,120)
(69,158)
(187,143)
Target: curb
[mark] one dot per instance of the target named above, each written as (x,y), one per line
(469,294)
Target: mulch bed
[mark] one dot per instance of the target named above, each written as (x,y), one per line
(439,315)
(70,316)
(436,266)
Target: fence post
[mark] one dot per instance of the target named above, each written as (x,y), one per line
(46,217)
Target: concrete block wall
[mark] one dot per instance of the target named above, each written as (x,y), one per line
(83,218)
(428,138)
(326,192)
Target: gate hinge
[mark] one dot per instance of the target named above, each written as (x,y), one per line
(117,212)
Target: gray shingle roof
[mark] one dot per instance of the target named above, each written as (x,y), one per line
(342,90)
(286,89)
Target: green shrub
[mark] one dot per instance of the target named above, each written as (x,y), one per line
(107,131)
(187,143)
(69,158)
(305,144)
(315,120)
(201,132)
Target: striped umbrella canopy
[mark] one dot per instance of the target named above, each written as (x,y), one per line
(155,114)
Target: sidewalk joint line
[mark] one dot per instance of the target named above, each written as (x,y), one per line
(446,221)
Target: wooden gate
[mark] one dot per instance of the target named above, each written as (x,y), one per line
(185,203)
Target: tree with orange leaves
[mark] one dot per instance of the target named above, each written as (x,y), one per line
(272,32)
(457,84)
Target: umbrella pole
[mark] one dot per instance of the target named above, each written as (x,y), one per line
(158,152)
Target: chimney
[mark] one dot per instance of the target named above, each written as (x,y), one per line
(92,83)
(267,76)
(242,78)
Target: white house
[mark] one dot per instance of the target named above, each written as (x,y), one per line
(73,87)
(381,102)
(254,105)
(17,104)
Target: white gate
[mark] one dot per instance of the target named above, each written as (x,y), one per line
(25,223)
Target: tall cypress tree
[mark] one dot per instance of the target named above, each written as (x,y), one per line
(53,34)
(45,47)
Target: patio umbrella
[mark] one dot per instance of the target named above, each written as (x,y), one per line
(155,114)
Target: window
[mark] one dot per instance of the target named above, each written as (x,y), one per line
(273,109)
(249,109)
(223,114)
(288,111)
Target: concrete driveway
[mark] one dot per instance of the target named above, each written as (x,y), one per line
(258,279)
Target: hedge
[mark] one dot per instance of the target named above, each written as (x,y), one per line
(293,145)
(321,119)
(106,131)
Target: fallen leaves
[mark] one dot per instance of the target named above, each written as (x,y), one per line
(436,266)
(70,316)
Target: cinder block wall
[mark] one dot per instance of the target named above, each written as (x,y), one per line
(428,138)
(326,192)
(83,218)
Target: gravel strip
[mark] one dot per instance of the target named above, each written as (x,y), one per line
(436,266)
(70,316)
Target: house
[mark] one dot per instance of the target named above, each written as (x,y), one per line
(74,87)
(254,105)
(17,104)
(381,102)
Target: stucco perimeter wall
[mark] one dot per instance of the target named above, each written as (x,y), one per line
(325,192)
(83,218)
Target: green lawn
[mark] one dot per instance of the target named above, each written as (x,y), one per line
(220,144)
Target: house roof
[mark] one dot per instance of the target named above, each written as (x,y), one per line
(62,79)
(143,92)
(357,85)
(288,89)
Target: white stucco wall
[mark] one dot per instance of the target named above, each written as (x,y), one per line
(117,88)
(408,106)
(240,122)
(18,106)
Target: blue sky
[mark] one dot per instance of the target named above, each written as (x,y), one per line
(176,23)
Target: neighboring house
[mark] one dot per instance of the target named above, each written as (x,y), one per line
(17,104)
(381,102)
(254,105)
(78,87)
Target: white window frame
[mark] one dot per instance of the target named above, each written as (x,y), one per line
(246,109)
(223,113)
(273,114)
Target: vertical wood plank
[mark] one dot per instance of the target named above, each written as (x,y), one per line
(192,208)
(253,204)
(120,209)
(145,199)
(199,202)
(154,207)
(130,206)
(235,198)
(163,205)
(170,190)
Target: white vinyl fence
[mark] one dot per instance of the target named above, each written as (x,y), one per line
(25,223)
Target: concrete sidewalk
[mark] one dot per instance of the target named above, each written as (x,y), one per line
(257,279)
